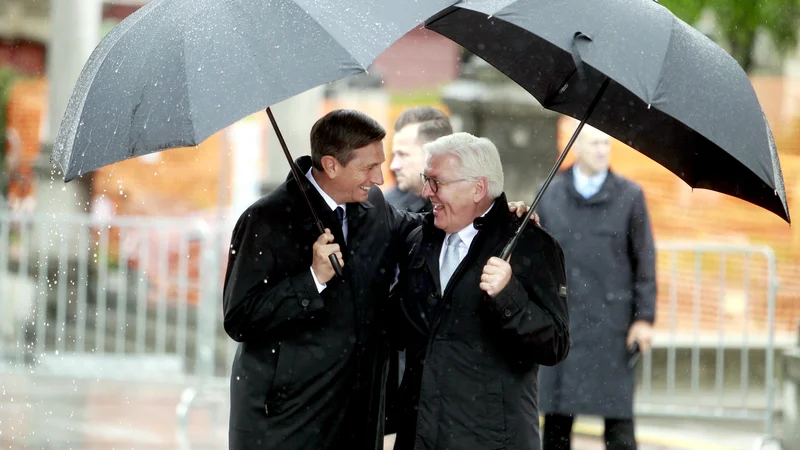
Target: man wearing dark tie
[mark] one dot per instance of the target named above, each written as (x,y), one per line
(310,367)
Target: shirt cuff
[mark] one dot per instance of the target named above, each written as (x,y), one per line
(320,286)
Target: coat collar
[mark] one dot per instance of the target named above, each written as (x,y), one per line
(433,238)
(355,210)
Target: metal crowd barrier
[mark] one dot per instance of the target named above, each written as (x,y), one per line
(123,298)
(714,352)
(139,298)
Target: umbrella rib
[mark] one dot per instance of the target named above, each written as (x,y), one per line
(130,22)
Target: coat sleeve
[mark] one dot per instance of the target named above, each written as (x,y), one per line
(402,223)
(532,310)
(642,254)
(255,299)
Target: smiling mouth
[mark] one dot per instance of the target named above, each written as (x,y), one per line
(437,206)
(364,188)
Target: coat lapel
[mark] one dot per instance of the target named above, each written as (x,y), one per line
(324,212)
(356,212)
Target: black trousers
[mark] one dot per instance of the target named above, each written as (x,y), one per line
(557,434)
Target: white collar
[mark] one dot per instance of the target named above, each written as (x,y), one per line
(328,200)
(585,180)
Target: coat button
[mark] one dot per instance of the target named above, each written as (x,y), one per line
(304,303)
(507,313)
(266,409)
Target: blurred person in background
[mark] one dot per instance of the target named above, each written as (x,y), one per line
(413,128)
(601,221)
(475,327)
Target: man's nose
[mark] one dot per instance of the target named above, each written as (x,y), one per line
(395,165)
(377,177)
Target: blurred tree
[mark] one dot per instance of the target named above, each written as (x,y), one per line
(739,21)
(7,77)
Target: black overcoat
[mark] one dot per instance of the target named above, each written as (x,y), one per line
(610,256)
(402,201)
(472,360)
(310,369)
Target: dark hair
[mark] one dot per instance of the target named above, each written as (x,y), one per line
(434,129)
(340,132)
(417,115)
(434,123)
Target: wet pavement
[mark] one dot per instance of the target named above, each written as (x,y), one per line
(60,413)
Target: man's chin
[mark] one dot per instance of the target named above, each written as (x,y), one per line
(438,222)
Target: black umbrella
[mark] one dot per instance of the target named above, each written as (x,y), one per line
(635,71)
(177,71)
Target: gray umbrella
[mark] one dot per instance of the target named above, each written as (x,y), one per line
(177,71)
(634,70)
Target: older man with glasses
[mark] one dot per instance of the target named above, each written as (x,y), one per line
(475,327)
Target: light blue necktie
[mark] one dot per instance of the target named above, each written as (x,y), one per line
(451,260)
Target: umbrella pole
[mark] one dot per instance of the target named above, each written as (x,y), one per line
(296,174)
(513,241)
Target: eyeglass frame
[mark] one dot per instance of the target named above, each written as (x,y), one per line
(435,184)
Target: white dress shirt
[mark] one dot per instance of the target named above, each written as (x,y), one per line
(332,205)
(587,186)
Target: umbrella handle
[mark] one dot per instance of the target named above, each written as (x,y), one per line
(296,173)
(506,253)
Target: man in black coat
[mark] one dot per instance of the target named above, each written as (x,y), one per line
(311,365)
(601,220)
(475,328)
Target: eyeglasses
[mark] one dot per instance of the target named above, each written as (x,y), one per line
(434,184)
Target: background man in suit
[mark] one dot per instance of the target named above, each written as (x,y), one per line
(475,328)
(601,221)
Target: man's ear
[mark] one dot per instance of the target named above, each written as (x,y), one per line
(481,189)
(330,166)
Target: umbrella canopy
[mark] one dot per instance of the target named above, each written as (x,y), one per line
(674,95)
(177,71)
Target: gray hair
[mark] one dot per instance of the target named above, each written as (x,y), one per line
(478,158)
